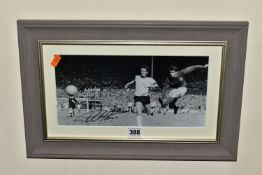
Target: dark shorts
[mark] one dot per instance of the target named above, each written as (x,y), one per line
(145,100)
(72,105)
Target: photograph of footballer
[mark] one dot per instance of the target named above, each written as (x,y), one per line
(144,91)
(142,98)
(175,85)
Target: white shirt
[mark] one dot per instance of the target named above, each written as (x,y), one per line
(142,85)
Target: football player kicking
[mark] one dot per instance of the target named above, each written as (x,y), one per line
(175,85)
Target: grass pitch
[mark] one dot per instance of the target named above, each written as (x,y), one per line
(107,118)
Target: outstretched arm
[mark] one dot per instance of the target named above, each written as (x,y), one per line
(192,68)
(154,85)
(128,84)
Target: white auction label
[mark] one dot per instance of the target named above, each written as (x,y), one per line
(135,132)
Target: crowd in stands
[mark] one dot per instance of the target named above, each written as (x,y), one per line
(111,86)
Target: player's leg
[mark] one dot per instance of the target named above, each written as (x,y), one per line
(180,92)
(78,107)
(153,107)
(174,94)
(177,93)
(74,108)
(148,109)
(70,110)
(138,105)
(146,104)
(74,111)
(168,100)
(173,105)
(139,108)
(166,97)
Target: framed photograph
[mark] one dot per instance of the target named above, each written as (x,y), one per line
(157,90)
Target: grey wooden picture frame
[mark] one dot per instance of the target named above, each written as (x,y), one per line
(37,144)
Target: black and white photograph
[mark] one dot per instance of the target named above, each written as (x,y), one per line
(144,91)
(132,90)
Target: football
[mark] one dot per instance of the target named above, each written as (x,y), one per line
(71,90)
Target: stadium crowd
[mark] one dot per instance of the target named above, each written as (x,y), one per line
(115,95)
(111,87)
